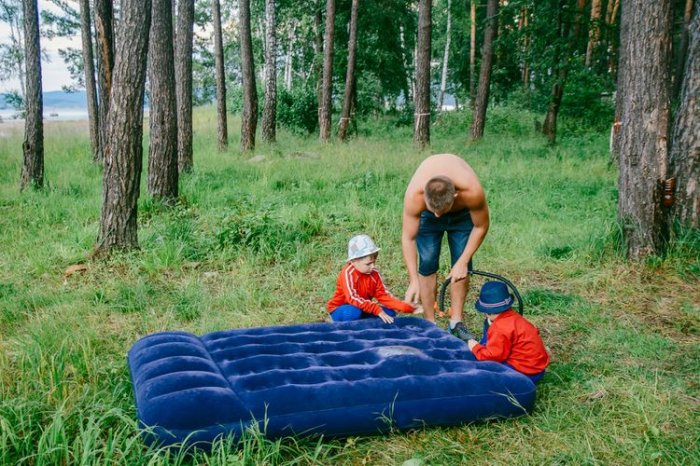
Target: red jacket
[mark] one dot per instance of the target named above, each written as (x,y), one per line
(357,288)
(513,340)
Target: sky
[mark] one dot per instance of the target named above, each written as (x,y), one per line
(54,72)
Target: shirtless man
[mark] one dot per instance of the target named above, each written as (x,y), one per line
(444,195)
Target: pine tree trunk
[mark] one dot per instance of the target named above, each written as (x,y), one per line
(482,95)
(90,86)
(33,145)
(446,56)
(350,74)
(421,128)
(122,170)
(183,83)
(472,55)
(561,67)
(222,124)
(249,119)
(162,158)
(326,104)
(682,53)
(594,31)
(610,17)
(645,110)
(104,38)
(525,47)
(685,139)
(269,121)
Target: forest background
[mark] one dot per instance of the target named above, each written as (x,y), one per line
(254,234)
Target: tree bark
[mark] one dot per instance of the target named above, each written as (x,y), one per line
(446,56)
(90,87)
(162,158)
(33,145)
(685,138)
(350,74)
(421,131)
(472,55)
(249,119)
(183,83)
(289,56)
(104,37)
(482,95)
(269,121)
(326,104)
(122,172)
(222,124)
(682,53)
(594,31)
(645,110)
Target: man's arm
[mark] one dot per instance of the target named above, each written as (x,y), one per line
(408,245)
(480,219)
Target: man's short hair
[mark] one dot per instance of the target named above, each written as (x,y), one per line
(439,193)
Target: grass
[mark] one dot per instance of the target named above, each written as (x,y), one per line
(260,243)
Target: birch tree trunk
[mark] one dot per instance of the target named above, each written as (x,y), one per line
(222,124)
(122,169)
(421,131)
(183,83)
(249,119)
(350,74)
(326,104)
(644,116)
(482,96)
(162,157)
(33,145)
(269,120)
(472,55)
(446,56)
(104,37)
(90,86)
(685,138)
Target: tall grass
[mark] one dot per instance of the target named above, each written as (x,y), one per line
(259,241)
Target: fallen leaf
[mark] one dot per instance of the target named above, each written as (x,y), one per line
(73,269)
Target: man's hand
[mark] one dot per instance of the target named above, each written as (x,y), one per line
(459,271)
(386,317)
(413,292)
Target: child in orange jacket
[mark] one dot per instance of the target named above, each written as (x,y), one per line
(359,283)
(510,339)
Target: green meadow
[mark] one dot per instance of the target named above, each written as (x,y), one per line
(258,239)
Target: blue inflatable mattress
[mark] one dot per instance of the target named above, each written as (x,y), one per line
(335,379)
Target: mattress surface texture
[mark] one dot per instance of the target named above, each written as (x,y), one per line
(336,379)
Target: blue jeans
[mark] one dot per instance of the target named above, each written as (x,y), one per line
(535,377)
(458,226)
(348,312)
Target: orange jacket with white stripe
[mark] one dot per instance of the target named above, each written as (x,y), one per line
(359,289)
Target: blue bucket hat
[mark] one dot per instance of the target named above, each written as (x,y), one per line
(494,298)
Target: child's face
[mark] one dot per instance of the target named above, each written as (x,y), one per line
(365,264)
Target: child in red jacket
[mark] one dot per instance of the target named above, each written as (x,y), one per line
(510,338)
(359,282)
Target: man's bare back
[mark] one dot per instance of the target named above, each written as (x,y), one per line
(470,194)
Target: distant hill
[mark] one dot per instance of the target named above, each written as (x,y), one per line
(57,99)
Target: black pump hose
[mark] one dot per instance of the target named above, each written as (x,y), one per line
(443,288)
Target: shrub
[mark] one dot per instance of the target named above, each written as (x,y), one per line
(298,110)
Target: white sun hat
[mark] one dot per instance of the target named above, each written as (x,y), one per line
(361,246)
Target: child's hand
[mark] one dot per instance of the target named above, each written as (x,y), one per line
(386,318)
(418,309)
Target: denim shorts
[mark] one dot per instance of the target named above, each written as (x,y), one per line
(458,226)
